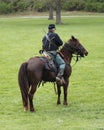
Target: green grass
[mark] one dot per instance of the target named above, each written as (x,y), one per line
(20,39)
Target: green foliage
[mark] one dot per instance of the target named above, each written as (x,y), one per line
(40,5)
(94,7)
(22,6)
(87,5)
(71,5)
(9,6)
(6,8)
(100,7)
(20,39)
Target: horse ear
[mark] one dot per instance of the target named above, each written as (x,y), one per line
(73,38)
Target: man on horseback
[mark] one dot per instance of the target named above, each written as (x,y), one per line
(51,43)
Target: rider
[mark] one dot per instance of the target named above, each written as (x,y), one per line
(51,43)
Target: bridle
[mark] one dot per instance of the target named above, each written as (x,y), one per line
(74,50)
(77,58)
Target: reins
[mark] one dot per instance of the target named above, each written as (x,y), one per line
(77,59)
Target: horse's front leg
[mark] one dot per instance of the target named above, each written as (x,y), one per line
(31,94)
(65,87)
(59,93)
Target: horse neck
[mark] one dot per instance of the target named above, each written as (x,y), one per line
(67,56)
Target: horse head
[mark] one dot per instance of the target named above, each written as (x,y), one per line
(75,47)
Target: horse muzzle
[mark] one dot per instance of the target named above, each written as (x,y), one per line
(86,53)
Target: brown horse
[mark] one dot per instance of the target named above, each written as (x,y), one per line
(33,72)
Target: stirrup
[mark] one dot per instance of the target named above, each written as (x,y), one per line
(60,80)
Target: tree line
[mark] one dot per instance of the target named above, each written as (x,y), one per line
(13,6)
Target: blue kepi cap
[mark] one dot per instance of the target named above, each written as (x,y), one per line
(51,26)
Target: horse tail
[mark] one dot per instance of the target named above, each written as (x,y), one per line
(23,83)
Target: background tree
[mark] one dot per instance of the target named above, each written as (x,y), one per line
(58,11)
(55,4)
(51,12)
(58,5)
(50,8)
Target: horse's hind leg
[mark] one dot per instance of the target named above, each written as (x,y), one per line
(25,102)
(59,93)
(25,98)
(31,94)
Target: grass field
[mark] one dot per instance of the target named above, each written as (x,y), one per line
(20,39)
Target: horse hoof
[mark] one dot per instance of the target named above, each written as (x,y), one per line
(58,103)
(32,110)
(25,109)
(65,103)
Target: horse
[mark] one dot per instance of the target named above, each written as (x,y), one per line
(32,73)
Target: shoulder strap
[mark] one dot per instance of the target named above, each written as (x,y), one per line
(47,37)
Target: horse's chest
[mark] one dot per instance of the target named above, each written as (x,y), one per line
(68,71)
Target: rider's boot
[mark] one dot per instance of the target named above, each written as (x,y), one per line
(59,77)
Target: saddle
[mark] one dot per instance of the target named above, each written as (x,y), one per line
(50,65)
